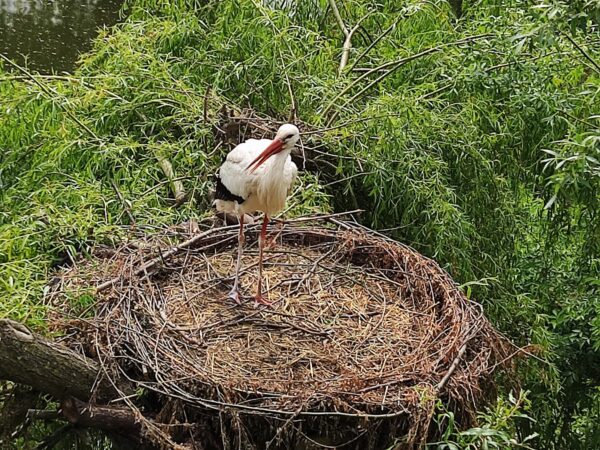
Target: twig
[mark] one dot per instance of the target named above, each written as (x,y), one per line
(351,122)
(373,44)
(341,180)
(585,122)
(124,203)
(452,368)
(162,183)
(323,216)
(347,35)
(205,108)
(380,37)
(582,51)
(293,110)
(282,428)
(47,77)
(394,65)
(348,45)
(435,92)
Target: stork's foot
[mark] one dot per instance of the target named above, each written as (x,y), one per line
(260,300)
(234,295)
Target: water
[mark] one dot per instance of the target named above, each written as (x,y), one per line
(49,35)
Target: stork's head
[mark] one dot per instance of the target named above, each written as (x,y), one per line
(284,141)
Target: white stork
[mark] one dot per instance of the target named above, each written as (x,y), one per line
(256,176)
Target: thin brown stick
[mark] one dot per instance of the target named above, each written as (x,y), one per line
(452,368)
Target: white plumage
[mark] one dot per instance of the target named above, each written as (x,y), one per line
(257,175)
(266,189)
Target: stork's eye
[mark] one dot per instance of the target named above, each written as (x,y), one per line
(289,136)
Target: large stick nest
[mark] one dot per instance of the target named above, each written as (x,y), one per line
(362,329)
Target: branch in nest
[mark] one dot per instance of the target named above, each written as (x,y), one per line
(154,262)
(452,368)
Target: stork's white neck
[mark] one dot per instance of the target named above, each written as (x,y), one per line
(273,185)
(278,161)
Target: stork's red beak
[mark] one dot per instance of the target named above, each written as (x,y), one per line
(274,147)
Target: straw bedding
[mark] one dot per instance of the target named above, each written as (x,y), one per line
(363,330)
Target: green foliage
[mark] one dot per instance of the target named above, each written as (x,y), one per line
(476,141)
(496,430)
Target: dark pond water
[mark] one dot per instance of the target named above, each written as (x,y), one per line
(49,35)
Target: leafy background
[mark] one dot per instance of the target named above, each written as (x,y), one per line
(475,139)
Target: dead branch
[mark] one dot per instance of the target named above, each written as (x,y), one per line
(452,368)
(108,418)
(176,183)
(162,257)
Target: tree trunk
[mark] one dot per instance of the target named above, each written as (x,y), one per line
(26,358)
(29,359)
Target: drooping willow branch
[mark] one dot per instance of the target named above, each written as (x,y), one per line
(52,94)
(391,67)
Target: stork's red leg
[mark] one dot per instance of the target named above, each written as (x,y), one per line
(259,299)
(234,294)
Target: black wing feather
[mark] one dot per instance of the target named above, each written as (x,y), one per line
(222,193)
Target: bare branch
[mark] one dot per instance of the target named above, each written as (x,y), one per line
(348,45)
(347,34)
(452,368)
(338,17)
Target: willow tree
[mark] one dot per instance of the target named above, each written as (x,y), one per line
(474,140)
